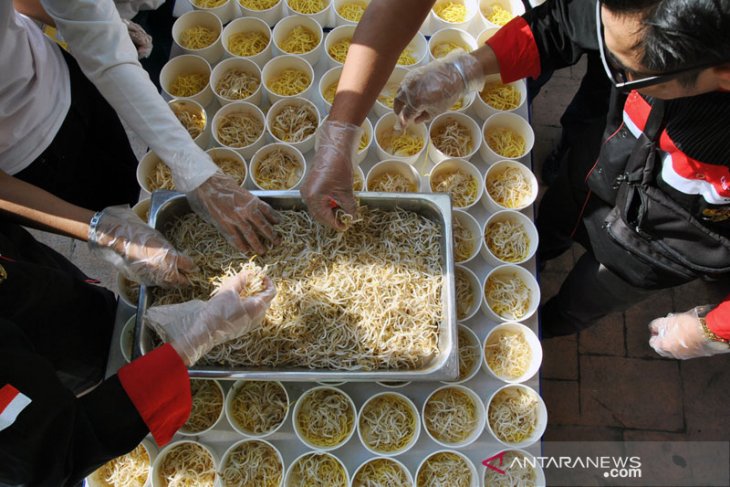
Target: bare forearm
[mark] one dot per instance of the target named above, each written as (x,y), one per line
(34,10)
(384,31)
(34,207)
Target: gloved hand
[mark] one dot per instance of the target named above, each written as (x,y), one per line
(681,336)
(432,89)
(328,183)
(141,39)
(141,253)
(195,327)
(239,215)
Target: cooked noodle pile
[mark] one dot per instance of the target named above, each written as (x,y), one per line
(252,464)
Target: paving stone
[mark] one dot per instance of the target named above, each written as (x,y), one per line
(560,358)
(706,393)
(638,318)
(699,292)
(562,400)
(581,433)
(631,393)
(61,244)
(605,337)
(94,267)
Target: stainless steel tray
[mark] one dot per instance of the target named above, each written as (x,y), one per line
(167,205)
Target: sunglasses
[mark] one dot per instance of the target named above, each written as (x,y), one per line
(619,75)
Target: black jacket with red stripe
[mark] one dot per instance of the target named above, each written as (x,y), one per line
(692,154)
(49,437)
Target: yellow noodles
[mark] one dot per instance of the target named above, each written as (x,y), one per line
(391,182)
(197,37)
(232,167)
(387,423)
(252,464)
(506,142)
(403,144)
(130,470)
(208,3)
(508,296)
(443,48)
(468,354)
(239,129)
(352,11)
(325,417)
(193,121)
(259,407)
(452,138)
(509,187)
(513,415)
(461,185)
(307,6)
(237,85)
(501,97)
(294,123)
(207,405)
(508,354)
(444,469)
(160,178)
(278,170)
(451,11)
(187,464)
(299,40)
(507,240)
(318,470)
(464,295)
(289,82)
(463,241)
(498,15)
(330,91)
(247,44)
(188,84)
(450,415)
(338,50)
(258,4)
(407,58)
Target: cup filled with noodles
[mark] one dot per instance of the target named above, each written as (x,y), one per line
(187,77)
(199,32)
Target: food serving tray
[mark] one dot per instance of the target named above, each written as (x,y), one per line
(168,205)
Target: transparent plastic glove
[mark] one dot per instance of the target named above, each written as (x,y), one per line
(241,217)
(328,183)
(681,336)
(432,89)
(140,38)
(195,327)
(138,251)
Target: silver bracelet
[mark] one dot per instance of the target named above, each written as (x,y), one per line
(93,223)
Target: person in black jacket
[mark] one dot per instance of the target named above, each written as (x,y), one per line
(651,203)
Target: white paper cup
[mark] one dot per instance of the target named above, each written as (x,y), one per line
(473,341)
(485,35)
(331,77)
(96,479)
(542,417)
(358,176)
(185,65)
(241,107)
(264,151)
(437,23)
(248,442)
(323,16)
(385,125)
(292,481)
(146,168)
(509,271)
(495,171)
(270,15)
(480,413)
(142,209)
(414,412)
(483,110)
(391,86)
(393,167)
(236,64)
(339,19)
(230,397)
(510,121)
(532,341)
(514,7)
(187,432)
(539,474)
(450,35)
(465,121)
(278,65)
(396,463)
(470,223)
(302,436)
(126,293)
(200,18)
(336,35)
(202,140)
(126,338)
(446,167)
(248,24)
(158,480)
(284,27)
(394,384)
(516,219)
(419,46)
(226,12)
(464,458)
(226,153)
(277,108)
(476,290)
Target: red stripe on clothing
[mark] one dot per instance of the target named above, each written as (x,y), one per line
(685,166)
(7,394)
(516,51)
(718,320)
(159,387)
(637,109)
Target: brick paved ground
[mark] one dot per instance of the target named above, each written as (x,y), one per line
(607,383)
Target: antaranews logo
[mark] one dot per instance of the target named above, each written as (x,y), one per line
(614,467)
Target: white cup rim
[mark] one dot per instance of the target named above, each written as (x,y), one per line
(416,433)
(304,439)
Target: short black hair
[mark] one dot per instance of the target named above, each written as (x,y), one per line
(680,33)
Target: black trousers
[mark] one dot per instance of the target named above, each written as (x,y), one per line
(66,316)
(90,162)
